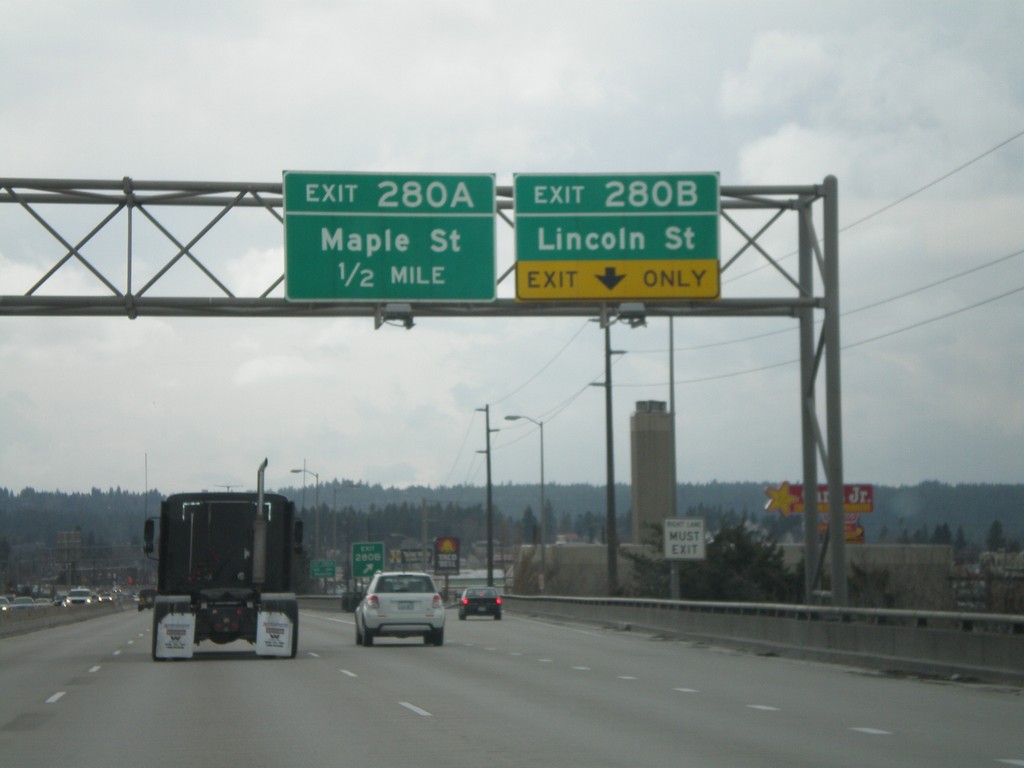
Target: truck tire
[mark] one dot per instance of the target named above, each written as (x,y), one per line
(153,648)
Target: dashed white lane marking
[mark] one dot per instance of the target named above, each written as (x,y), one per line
(56,697)
(1011,762)
(763,707)
(685,690)
(95,669)
(872,731)
(626,677)
(117,652)
(131,642)
(544,661)
(582,669)
(347,673)
(314,655)
(414,708)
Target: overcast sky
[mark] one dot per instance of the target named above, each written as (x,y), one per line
(916,107)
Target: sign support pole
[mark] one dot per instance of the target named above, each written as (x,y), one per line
(832,387)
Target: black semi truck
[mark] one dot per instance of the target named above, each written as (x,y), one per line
(225,572)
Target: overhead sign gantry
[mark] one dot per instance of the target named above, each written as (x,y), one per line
(424,222)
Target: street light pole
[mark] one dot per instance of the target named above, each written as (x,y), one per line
(316,477)
(543,511)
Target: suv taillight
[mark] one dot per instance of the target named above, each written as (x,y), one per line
(437,602)
(373,602)
(498,601)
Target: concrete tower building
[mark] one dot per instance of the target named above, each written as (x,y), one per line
(653,466)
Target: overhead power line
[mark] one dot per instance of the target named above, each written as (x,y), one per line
(898,201)
(851,345)
(932,183)
(872,305)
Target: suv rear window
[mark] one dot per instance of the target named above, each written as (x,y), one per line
(405,584)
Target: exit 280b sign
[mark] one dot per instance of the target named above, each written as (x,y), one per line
(612,238)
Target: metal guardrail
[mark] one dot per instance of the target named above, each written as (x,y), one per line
(969,622)
(938,643)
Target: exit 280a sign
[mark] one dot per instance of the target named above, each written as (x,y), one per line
(389,237)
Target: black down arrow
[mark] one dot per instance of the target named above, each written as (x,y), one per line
(610,278)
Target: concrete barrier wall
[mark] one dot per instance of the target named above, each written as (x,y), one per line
(978,646)
(17,622)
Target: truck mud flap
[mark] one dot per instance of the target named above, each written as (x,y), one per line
(277,626)
(174,628)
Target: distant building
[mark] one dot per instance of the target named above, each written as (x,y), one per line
(653,466)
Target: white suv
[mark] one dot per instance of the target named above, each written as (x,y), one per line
(400,605)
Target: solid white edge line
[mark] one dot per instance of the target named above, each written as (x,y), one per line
(872,731)
(414,708)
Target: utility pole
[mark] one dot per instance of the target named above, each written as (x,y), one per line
(490,502)
(611,536)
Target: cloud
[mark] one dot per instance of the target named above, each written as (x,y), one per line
(886,97)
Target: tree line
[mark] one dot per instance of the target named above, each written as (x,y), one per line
(971,518)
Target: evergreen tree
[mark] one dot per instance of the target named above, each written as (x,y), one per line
(996,539)
(741,565)
(942,535)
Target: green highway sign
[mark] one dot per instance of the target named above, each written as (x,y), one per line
(389,237)
(367,558)
(617,237)
(322,569)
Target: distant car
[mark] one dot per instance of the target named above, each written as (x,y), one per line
(400,605)
(20,603)
(5,604)
(79,596)
(480,601)
(147,598)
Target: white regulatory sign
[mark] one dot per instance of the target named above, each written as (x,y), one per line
(684,538)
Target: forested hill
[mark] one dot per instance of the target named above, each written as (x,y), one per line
(901,513)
